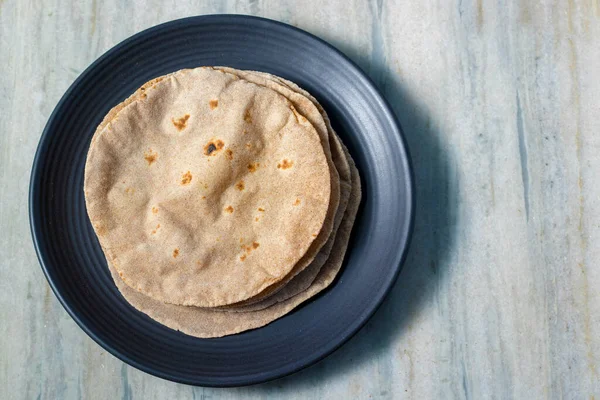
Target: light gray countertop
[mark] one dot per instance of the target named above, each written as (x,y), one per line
(500,104)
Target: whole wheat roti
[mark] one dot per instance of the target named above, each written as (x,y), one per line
(292,285)
(203,323)
(304,279)
(161,189)
(315,256)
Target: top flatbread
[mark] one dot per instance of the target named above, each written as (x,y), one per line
(187,217)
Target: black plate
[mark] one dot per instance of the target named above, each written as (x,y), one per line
(70,254)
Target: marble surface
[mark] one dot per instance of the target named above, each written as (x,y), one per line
(500,103)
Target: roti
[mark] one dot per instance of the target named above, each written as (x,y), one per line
(205,189)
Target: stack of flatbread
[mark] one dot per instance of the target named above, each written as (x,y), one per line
(222,199)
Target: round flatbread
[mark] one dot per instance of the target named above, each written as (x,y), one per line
(206,189)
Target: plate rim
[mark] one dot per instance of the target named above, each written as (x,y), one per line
(352,329)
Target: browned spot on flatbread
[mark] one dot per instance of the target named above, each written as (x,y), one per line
(155,229)
(242,257)
(203,197)
(285,164)
(154,210)
(240,185)
(175,253)
(248,145)
(297,202)
(256,219)
(249,249)
(248,117)
(150,156)
(229,154)
(229,209)
(261,209)
(186,178)
(143,95)
(130,190)
(180,123)
(211,148)
(213,104)
(253,166)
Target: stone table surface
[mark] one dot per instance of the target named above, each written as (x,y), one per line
(500,103)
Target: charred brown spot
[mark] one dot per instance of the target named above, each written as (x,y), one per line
(150,156)
(248,117)
(186,178)
(242,257)
(297,202)
(248,145)
(314,235)
(240,185)
(256,219)
(253,167)
(180,123)
(203,197)
(249,249)
(229,154)
(285,164)
(175,253)
(143,95)
(155,229)
(229,209)
(213,104)
(213,147)
(261,209)
(154,210)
